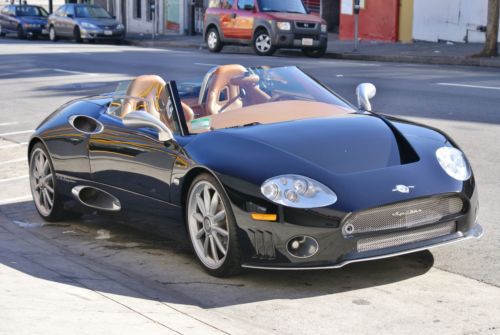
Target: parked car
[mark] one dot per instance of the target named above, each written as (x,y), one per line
(262,167)
(23,20)
(84,22)
(267,25)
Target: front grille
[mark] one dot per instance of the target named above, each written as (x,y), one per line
(305,25)
(263,243)
(407,237)
(404,215)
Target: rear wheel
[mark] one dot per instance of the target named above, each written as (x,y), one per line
(77,35)
(43,185)
(213,40)
(263,44)
(2,33)
(212,227)
(20,32)
(52,34)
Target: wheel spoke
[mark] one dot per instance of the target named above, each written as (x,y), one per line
(215,256)
(214,203)
(220,231)
(201,205)
(220,216)
(200,233)
(49,189)
(206,199)
(45,167)
(48,198)
(198,217)
(219,245)
(205,246)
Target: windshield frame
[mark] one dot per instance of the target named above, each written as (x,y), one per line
(304,10)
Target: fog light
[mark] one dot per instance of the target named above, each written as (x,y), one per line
(302,246)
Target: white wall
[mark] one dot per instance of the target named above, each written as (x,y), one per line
(450,20)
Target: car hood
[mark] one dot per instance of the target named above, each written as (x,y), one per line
(357,155)
(295,17)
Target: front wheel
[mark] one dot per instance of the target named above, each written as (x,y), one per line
(263,44)
(212,227)
(77,35)
(52,34)
(2,33)
(213,40)
(20,32)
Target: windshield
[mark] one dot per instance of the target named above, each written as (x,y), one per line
(288,6)
(235,96)
(92,12)
(31,11)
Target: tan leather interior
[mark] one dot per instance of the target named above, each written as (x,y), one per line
(273,112)
(147,87)
(188,112)
(221,93)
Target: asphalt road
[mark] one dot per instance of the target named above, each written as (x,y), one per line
(38,76)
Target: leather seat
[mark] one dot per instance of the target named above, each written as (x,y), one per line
(221,93)
(188,112)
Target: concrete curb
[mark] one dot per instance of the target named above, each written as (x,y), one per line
(414,59)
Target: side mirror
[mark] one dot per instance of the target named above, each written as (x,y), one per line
(365,92)
(142,119)
(70,16)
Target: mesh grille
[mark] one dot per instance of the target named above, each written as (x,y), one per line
(414,213)
(402,238)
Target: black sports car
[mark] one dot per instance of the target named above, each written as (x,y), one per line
(264,168)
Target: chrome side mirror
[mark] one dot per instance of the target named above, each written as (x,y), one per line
(365,92)
(140,119)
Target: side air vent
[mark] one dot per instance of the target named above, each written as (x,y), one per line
(85,124)
(263,243)
(96,198)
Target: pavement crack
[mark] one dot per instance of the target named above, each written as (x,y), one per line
(199,282)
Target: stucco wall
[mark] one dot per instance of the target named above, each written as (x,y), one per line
(450,20)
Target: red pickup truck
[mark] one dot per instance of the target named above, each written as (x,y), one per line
(267,25)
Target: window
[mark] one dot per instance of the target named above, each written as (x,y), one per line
(70,11)
(245,3)
(225,4)
(137,9)
(61,11)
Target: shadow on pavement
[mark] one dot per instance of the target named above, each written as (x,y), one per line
(105,256)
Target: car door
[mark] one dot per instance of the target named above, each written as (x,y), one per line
(69,20)
(131,159)
(227,15)
(243,22)
(57,20)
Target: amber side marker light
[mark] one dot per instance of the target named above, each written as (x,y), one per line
(264,217)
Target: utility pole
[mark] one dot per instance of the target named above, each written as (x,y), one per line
(357,7)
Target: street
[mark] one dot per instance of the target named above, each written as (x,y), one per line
(93,275)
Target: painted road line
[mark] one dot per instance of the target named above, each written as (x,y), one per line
(14,200)
(13,161)
(206,64)
(3,124)
(6,180)
(470,86)
(13,145)
(17,133)
(75,72)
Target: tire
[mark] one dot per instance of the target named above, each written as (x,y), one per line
(213,40)
(52,34)
(262,43)
(315,53)
(212,232)
(43,180)
(20,32)
(2,34)
(77,35)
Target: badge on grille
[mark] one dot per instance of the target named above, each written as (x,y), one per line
(402,188)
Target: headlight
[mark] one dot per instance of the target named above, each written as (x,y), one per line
(120,26)
(89,25)
(283,25)
(297,191)
(453,163)
(324,28)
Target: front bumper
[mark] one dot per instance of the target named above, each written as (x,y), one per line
(300,40)
(101,34)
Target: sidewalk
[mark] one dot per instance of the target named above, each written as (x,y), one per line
(445,53)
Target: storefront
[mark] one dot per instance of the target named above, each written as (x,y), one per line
(172,15)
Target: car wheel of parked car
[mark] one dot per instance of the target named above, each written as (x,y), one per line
(315,53)
(212,227)
(77,35)
(20,32)
(2,34)
(52,34)
(262,43)
(43,185)
(213,40)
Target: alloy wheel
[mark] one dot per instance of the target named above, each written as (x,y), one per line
(212,40)
(263,43)
(52,34)
(208,226)
(42,182)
